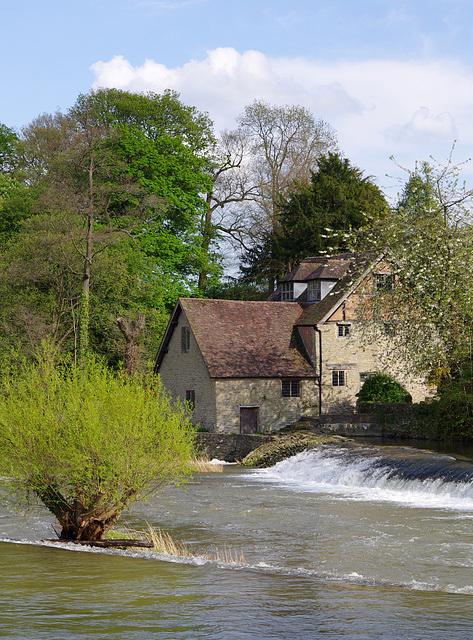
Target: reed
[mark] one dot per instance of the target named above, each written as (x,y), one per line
(205,465)
(164,543)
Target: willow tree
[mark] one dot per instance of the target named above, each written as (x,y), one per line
(88,442)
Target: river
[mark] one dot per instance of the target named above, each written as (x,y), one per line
(356,543)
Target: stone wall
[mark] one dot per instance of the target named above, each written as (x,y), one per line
(228,447)
(187,371)
(274,411)
(376,419)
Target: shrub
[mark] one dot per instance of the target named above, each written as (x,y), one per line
(382,388)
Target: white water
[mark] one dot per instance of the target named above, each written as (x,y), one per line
(357,478)
(340,544)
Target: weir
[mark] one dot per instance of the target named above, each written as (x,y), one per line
(392,473)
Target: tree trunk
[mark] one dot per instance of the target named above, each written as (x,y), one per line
(206,239)
(131,329)
(89,248)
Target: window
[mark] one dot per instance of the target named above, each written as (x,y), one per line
(287,291)
(364,375)
(190,399)
(339,379)
(315,293)
(384,281)
(343,330)
(291,388)
(185,339)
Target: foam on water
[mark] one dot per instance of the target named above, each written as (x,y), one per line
(357,477)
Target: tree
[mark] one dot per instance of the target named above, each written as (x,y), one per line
(88,442)
(322,215)
(40,289)
(428,242)
(232,187)
(317,217)
(8,141)
(131,329)
(284,144)
(119,174)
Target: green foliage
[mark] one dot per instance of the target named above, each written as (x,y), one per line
(88,441)
(428,241)
(450,415)
(234,289)
(40,288)
(105,199)
(317,217)
(321,216)
(382,388)
(8,141)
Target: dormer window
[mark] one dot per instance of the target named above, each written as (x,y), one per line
(287,291)
(314,291)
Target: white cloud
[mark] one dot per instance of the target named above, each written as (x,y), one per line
(411,109)
(426,126)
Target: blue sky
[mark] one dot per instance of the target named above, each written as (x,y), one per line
(392,77)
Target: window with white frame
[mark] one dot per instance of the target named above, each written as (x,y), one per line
(291,388)
(339,378)
(314,291)
(287,291)
(343,330)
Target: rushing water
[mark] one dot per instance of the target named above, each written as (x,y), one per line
(341,543)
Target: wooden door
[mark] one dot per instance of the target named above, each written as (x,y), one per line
(248,419)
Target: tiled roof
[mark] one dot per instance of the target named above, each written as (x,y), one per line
(322,268)
(241,339)
(359,263)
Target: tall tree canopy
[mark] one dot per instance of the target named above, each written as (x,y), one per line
(317,217)
(115,186)
(283,143)
(8,141)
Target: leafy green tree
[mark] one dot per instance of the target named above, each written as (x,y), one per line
(321,216)
(119,174)
(40,288)
(88,442)
(8,141)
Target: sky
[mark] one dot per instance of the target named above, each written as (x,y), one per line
(393,78)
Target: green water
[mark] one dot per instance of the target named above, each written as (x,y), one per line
(356,557)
